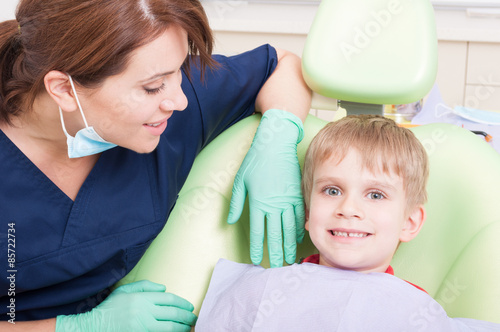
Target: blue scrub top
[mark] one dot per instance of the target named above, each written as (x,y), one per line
(68,254)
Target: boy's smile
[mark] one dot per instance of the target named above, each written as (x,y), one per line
(356,216)
(340,233)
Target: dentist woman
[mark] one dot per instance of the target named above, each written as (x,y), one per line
(104,105)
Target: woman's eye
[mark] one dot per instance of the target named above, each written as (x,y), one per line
(155,90)
(332,191)
(376,195)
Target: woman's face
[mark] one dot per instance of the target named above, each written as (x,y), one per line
(131,109)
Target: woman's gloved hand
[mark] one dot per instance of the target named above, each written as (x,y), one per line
(270,173)
(139,306)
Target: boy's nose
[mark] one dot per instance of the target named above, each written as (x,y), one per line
(349,208)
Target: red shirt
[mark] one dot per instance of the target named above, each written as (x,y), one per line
(315,260)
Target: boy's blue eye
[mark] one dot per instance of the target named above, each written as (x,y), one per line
(375,195)
(332,191)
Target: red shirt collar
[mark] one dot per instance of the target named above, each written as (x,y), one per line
(315,260)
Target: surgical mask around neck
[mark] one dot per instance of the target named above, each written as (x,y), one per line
(479,116)
(471,114)
(86,141)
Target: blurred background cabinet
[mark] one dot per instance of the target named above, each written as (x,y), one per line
(468,42)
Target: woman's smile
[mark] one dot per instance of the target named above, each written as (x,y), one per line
(157,128)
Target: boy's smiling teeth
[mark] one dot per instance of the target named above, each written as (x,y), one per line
(345,234)
(154,124)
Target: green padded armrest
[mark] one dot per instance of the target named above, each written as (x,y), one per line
(196,235)
(456,257)
(372,51)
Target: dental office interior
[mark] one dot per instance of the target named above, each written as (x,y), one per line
(433,67)
(468,45)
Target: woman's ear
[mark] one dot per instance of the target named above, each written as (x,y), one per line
(59,89)
(413,224)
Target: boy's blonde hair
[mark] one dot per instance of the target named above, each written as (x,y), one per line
(383,145)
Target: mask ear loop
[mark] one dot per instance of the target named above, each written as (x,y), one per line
(77,100)
(62,123)
(442,109)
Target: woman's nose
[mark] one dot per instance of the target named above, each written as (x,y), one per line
(177,102)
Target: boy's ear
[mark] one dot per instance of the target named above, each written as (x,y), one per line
(413,224)
(59,89)
(306,226)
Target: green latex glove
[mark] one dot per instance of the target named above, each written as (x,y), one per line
(270,174)
(139,306)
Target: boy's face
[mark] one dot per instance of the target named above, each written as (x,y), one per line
(357,218)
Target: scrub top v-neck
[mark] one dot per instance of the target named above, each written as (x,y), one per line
(69,253)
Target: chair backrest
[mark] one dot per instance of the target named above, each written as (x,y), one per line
(456,257)
(372,51)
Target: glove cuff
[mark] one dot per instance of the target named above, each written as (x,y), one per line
(64,323)
(277,114)
(73,323)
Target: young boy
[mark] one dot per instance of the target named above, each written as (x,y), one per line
(363,183)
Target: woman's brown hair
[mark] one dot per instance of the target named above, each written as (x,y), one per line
(89,39)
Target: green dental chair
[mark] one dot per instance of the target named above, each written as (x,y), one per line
(456,256)
(369,53)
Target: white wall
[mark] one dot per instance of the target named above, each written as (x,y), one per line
(469,44)
(7,9)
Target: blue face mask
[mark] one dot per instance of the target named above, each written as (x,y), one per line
(86,141)
(479,116)
(471,114)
